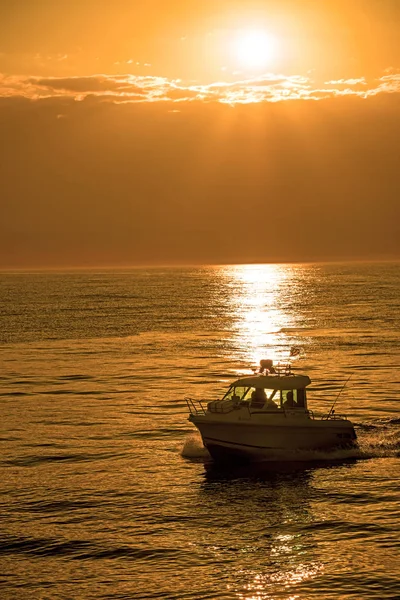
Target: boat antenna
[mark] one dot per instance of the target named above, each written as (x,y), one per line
(337,397)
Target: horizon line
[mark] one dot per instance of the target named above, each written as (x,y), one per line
(188,265)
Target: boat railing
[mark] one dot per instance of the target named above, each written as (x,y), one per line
(333,417)
(283,369)
(296,411)
(195,406)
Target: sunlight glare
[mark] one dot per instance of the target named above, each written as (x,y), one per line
(255,49)
(257,309)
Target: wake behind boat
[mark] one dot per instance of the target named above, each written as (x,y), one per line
(266,417)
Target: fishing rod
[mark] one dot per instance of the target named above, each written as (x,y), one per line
(337,397)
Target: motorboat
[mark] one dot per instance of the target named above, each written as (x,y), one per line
(266,417)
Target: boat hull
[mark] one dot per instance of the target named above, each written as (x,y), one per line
(273,442)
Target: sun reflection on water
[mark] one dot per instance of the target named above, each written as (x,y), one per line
(259,310)
(260,585)
(286,566)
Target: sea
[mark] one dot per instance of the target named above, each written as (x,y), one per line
(106,491)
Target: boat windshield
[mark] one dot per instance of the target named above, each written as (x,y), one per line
(282,398)
(245,393)
(236,393)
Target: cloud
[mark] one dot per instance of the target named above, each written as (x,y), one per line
(98,83)
(389,84)
(348,82)
(270,87)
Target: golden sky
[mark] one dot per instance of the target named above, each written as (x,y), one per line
(157,131)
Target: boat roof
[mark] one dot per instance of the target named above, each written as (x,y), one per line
(274,382)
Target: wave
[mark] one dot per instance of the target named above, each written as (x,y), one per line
(36,459)
(80,549)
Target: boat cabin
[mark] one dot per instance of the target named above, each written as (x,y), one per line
(269,392)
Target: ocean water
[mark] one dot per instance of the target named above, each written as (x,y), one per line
(105,488)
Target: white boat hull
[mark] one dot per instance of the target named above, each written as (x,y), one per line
(255,441)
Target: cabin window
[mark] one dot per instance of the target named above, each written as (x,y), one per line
(301,397)
(289,398)
(294,398)
(235,393)
(269,395)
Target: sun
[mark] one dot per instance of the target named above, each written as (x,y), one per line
(254,49)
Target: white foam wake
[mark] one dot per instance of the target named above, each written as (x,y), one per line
(193,447)
(379,442)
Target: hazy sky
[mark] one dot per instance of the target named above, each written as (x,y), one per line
(180,131)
